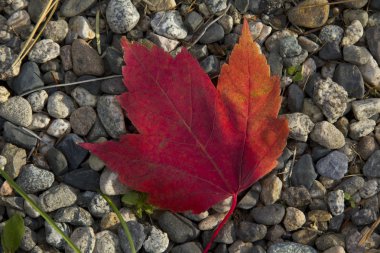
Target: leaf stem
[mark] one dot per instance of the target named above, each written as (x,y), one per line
(39,210)
(122,222)
(224,221)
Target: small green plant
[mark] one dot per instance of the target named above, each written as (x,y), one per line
(139,201)
(295,72)
(349,198)
(12,233)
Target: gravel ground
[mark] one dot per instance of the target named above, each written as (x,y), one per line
(323,195)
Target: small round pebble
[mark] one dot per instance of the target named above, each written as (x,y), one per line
(56,30)
(157,241)
(17,110)
(44,50)
(38,100)
(33,179)
(82,120)
(84,238)
(327,135)
(122,16)
(110,183)
(107,242)
(334,165)
(169,24)
(4,94)
(60,105)
(59,127)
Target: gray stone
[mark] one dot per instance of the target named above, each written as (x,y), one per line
(335,200)
(351,185)
(44,50)
(330,33)
(369,189)
(71,8)
(57,161)
(296,60)
(56,30)
(39,121)
(373,41)
(216,6)
(169,24)
(356,55)
(330,51)
(193,21)
(83,179)
(59,127)
(29,78)
(290,247)
(289,47)
(16,135)
(84,238)
(33,179)
(307,44)
(363,217)
(372,166)
(303,172)
(82,120)
(189,247)
(366,108)
(53,238)
(60,105)
(110,184)
(353,33)
(300,126)
(371,72)
(331,98)
(211,65)
(79,25)
(83,97)
(351,15)
(113,60)
(57,197)
(137,233)
(98,206)
(350,78)
(29,240)
(374,19)
(17,110)
(70,148)
(295,98)
(268,215)
(74,215)
(29,210)
(296,196)
(311,110)
(86,61)
(7,58)
(157,241)
(122,16)
(327,135)
(334,165)
(111,116)
(361,128)
(107,242)
(251,232)
(178,228)
(38,100)
(213,34)
(16,158)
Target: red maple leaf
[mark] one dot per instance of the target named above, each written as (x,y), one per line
(197,144)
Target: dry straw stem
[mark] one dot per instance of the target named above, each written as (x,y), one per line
(46,15)
(368,234)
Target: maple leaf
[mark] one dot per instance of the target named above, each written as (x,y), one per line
(197,144)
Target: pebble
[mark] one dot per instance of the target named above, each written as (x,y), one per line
(369,189)
(309,17)
(4,94)
(109,222)
(331,51)
(137,233)
(44,50)
(167,44)
(107,242)
(296,196)
(111,116)
(189,247)
(86,61)
(289,47)
(38,100)
(300,126)
(115,86)
(350,78)
(83,97)
(82,120)
(303,172)
(59,127)
(213,34)
(6,61)
(366,146)
(268,215)
(29,239)
(18,136)
(335,201)
(71,8)
(169,24)
(364,216)
(122,16)
(356,55)
(178,228)
(331,33)
(374,19)
(317,190)
(327,135)
(74,215)
(335,249)
(331,98)
(211,65)
(211,221)
(251,232)
(334,165)
(193,21)
(33,179)
(311,110)
(53,238)
(307,44)
(29,78)
(372,167)
(83,179)
(15,157)
(216,6)
(158,5)
(60,105)
(57,197)
(96,164)
(327,241)
(351,185)
(84,238)
(81,27)
(295,98)
(361,128)
(353,33)
(70,148)
(18,20)
(29,210)
(17,110)
(98,206)
(371,72)
(249,200)
(65,56)
(294,219)
(290,247)
(157,241)
(373,36)
(57,161)
(366,108)
(110,184)
(56,30)
(39,121)
(271,190)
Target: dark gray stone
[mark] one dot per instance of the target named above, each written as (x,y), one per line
(296,196)
(268,215)
(193,21)
(372,166)
(303,172)
(295,98)
(19,137)
(28,79)
(57,161)
(74,154)
(114,86)
(71,8)
(138,236)
(290,247)
(356,55)
(331,51)
(189,247)
(113,60)
(178,228)
(83,179)
(213,34)
(373,40)
(242,5)
(334,165)
(251,232)
(211,65)
(33,179)
(350,77)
